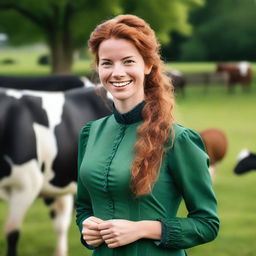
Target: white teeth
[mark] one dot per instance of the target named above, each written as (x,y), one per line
(117,84)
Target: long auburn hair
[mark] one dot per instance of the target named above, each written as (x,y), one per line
(154,132)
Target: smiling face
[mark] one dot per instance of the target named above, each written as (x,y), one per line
(122,71)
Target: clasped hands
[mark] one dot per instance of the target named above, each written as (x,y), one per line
(114,232)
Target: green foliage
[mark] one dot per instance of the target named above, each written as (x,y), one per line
(87,17)
(36,17)
(65,25)
(164,15)
(13,23)
(46,15)
(229,24)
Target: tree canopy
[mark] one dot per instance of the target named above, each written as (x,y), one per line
(223,31)
(65,25)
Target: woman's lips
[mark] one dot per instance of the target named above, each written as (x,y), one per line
(121,84)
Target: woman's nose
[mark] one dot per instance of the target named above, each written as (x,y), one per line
(118,71)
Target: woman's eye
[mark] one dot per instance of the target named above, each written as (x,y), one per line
(106,63)
(128,61)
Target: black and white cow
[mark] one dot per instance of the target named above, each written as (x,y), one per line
(246,162)
(45,83)
(38,153)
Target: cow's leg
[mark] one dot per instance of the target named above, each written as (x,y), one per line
(25,188)
(212,172)
(61,212)
(246,86)
(231,87)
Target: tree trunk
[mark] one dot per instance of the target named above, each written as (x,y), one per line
(60,40)
(61,55)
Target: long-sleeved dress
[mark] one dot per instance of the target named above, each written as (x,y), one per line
(106,151)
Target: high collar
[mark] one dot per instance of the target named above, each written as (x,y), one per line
(133,116)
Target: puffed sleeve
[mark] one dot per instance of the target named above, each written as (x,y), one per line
(83,201)
(188,163)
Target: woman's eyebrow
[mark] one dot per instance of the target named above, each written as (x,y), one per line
(104,59)
(127,57)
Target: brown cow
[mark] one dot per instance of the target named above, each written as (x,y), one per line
(238,73)
(216,144)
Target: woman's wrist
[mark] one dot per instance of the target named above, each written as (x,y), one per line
(150,229)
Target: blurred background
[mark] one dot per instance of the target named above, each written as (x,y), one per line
(46,37)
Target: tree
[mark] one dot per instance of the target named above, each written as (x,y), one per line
(65,25)
(224,31)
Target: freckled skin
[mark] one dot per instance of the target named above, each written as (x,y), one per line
(120,61)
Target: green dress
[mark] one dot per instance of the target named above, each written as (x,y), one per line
(104,161)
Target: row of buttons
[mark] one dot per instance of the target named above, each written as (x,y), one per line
(116,143)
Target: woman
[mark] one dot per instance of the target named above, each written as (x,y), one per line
(136,165)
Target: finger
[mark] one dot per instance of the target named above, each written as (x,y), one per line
(110,241)
(94,242)
(104,225)
(91,238)
(91,225)
(97,220)
(91,232)
(106,237)
(105,232)
(92,219)
(113,245)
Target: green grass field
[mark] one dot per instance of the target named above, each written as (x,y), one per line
(235,114)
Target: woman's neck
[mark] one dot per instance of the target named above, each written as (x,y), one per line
(124,106)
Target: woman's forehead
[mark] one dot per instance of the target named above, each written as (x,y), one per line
(117,48)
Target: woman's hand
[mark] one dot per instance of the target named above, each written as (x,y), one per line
(90,231)
(118,232)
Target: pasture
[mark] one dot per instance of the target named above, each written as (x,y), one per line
(234,113)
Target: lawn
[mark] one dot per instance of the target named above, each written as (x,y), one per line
(26,62)
(233,113)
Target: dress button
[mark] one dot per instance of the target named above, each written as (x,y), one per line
(111,204)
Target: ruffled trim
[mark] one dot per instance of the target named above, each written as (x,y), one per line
(171,233)
(116,143)
(85,132)
(83,139)
(191,135)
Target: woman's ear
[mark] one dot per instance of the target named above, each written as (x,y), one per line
(148,69)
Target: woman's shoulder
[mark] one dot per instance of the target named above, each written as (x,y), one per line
(178,129)
(185,135)
(95,123)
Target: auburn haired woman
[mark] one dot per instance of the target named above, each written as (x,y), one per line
(135,166)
